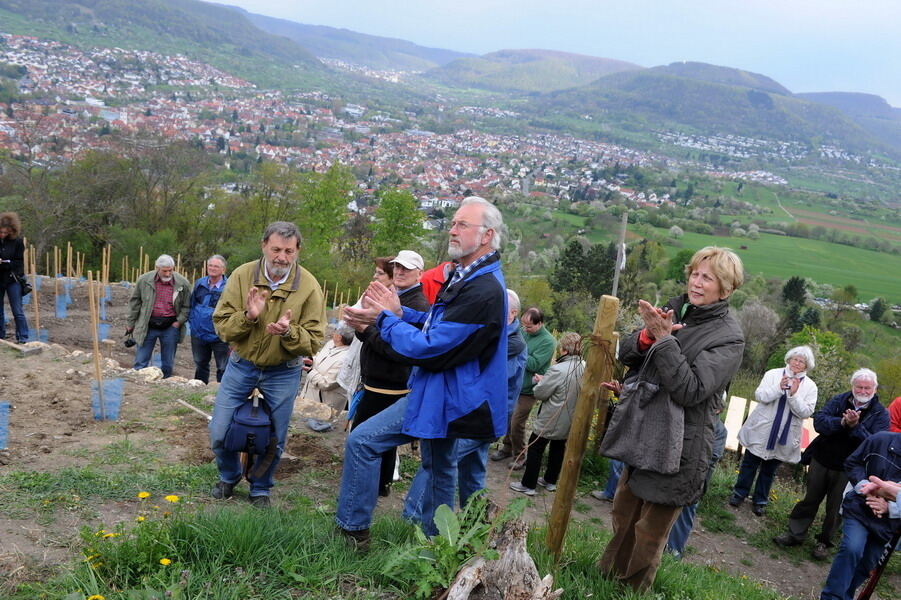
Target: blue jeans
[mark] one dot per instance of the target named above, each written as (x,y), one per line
(749,466)
(279,385)
(616,470)
(856,556)
(362,461)
(472,456)
(13,291)
(202,352)
(168,338)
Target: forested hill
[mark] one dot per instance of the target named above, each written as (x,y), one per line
(657,98)
(725,75)
(527,70)
(210,33)
(359,48)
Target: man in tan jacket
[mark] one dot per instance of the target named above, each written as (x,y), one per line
(271,314)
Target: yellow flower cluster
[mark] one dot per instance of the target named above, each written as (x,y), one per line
(165,562)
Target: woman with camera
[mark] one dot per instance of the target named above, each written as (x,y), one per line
(12,272)
(772,434)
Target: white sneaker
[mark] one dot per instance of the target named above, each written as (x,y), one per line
(518,487)
(551,487)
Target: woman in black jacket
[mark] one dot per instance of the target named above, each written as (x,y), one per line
(12,269)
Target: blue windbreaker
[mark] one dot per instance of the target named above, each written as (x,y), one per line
(203,303)
(459,352)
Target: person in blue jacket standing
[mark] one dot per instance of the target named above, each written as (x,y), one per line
(204,341)
(458,386)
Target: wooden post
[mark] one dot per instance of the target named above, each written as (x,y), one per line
(26,259)
(603,403)
(35,296)
(140,257)
(69,259)
(599,368)
(620,252)
(98,371)
(178,263)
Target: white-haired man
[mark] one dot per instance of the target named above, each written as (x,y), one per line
(158,309)
(843,424)
(458,389)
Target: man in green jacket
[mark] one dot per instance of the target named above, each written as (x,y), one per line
(158,309)
(540,344)
(272,314)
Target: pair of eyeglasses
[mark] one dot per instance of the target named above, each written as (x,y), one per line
(463,225)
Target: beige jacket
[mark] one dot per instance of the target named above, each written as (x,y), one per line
(321,383)
(300,292)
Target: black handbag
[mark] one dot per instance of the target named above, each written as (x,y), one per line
(23,285)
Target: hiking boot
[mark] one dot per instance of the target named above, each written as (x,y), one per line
(500,454)
(735,500)
(820,551)
(551,487)
(600,495)
(259,501)
(359,538)
(759,509)
(518,487)
(222,490)
(786,539)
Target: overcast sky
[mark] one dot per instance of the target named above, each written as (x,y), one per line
(806,45)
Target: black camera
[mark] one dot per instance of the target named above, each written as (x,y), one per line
(129,342)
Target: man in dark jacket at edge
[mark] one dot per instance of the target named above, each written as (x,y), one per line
(843,424)
(458,384)
(868,524)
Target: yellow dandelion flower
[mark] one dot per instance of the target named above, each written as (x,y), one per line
(91,557)
(139,519)
(172,498)
(143,495)
(100,533)
(165,562)
(110,535)
(96,597)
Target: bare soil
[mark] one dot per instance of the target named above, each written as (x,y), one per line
(52,427)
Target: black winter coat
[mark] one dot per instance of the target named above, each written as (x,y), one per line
(14,251)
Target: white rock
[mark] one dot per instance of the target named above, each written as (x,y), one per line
(312,409)
(196,383)
(150,373)
(77,353)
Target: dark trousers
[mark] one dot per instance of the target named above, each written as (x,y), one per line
(371,404)
(750,464)
(537,444)
(514,442)
(821,483)
(203,352)
(640,529)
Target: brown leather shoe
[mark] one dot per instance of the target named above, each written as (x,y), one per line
(359,538)
(820,551)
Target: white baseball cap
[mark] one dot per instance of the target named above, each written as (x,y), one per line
(409,259)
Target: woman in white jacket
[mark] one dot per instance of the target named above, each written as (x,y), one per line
(772,433)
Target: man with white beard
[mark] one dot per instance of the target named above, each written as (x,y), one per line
(843,424)
(272,314)
(158,309)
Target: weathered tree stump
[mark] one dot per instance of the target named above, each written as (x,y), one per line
(513,576)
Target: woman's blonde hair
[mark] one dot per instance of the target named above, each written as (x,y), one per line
(571,343)
(725,265)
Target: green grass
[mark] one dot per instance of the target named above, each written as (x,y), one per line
(773,256)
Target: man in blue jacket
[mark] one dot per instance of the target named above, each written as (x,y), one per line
(458,384)
(204,340)
(868,525)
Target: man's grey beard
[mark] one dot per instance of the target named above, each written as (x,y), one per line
(862,399)
(277,271)
(454,252)
(166,279)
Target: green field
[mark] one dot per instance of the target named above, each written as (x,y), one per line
(872,273)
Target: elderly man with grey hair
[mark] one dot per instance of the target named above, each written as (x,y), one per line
(158,309)
(843,424)
(205,342)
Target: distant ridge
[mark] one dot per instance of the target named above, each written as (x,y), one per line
(527,70)
(872,112)
(359,48)
(725,75)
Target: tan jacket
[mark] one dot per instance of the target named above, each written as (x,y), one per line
(300,292)
(321,383)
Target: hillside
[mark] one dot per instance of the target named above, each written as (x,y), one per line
(725,75)
(657,99)
(872,112)
(527,70)
(358,48)
(204,32)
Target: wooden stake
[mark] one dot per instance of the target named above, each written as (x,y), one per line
(35,297)
(599,368)
(26,259)
(178,263)
(98,371)
(69,259)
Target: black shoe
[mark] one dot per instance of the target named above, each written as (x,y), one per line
(359,538)
(786,539)
(759,509)
(259,501)
(222,490)
(820,551)
(384,491)
(735,500)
